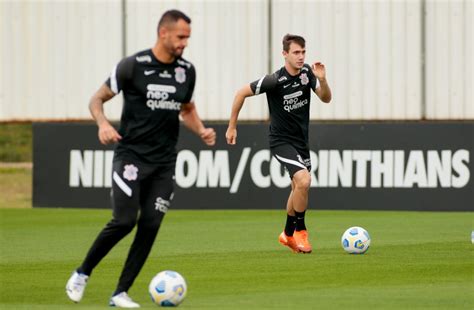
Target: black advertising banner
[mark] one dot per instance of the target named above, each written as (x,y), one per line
(359,166)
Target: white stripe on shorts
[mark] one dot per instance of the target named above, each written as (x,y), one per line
(291,161)
(123,186)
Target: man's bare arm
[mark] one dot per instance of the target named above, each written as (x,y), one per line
(193,122)
(107,133)
(323,91)
(244,92)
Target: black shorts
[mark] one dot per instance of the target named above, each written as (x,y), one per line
(292,158)
(136,186)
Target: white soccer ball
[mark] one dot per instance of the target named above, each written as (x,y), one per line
(355,240)
(168,288)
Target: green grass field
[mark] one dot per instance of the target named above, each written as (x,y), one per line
(16,141)
(15,187)
(232,260)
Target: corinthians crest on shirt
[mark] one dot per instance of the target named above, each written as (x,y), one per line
(180,75)
(304,79)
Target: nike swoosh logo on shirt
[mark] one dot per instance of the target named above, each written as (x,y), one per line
(149,72)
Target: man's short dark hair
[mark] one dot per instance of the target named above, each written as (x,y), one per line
(172,16)
(292,38)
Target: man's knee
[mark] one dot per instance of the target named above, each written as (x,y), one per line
(302,180)
(151,223)
(125,225)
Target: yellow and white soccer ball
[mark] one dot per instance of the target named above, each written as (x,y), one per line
(355,240)
(168,289)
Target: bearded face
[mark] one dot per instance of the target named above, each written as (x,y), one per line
(175,37)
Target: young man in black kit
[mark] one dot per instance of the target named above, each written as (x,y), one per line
(288,95)
(157,86)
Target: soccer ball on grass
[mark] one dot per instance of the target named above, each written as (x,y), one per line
(355,240)
(168,288)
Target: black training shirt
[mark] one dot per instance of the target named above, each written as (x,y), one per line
(153,93)
(288,100)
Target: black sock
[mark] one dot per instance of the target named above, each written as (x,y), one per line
(299,216)
(81,271)
(290,225)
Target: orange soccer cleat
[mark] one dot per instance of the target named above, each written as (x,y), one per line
(302,243)
(289,242)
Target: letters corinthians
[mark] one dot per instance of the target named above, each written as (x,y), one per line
(331,168)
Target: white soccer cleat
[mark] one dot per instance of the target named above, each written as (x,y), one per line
(122,300)
(76,285)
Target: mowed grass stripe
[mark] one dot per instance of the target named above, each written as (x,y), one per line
(232,260)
